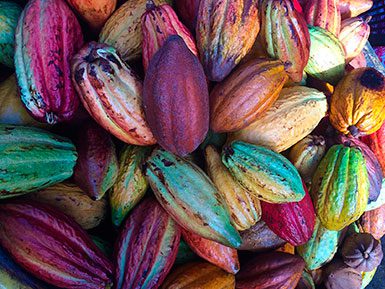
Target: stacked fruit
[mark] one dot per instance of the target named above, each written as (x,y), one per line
(223,144)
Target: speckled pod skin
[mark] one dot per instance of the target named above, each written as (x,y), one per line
(340,187)
(376,142)
(373,222)
(175,98)
(264,173)
(111,93)
(32,159)
(158,23)
(130,185)
(188,12)
(320,249)
(190,197)
(285,35)
(324,14)
(225,32)
(146,247)
(52,246)
(47,37)
(9,14)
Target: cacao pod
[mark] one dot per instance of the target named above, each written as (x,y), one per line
(72,201)
(52,246)
(367,277)
(199,275)
(175,97)
(363,86)
(146,247)
(271,270)
(123,29)
(324,14)
(245,208)
(353,8)
(225,32)
(185,254)
(306,281)
(372,222)
(340,187)
(188,12)
(222,256)
(9,15)
(306,154)
(190,197)
(338,275)
(32,159)
(111,93)
(327,57)
(285,35)
(47,37)
(293,116)
(158,23)
(376,142)
(130,185)
(256,169)
(321,247)
(233,102)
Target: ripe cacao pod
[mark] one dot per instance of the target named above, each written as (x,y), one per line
(123,29)
(47,37)
(130,185)
(327,56)
(353,8)
(188,12)
(52,246)
(111,93)
(32,159)
(357,106)
(256,169)
(199,275)
(175,97)
(233,102)
(245,208)
(190,197)
(225,32)
(340,187)
(373,222)
(270,270)
(9,15)
(306,154)
(285,35)
(158,23)
(338,275)
(222,256)
(376,142)
(295,114)
(146,247)
(321,247)
(324,14)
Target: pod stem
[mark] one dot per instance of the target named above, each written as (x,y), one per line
(150,5)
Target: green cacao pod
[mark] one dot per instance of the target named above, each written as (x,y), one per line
(340,187)
(32,159)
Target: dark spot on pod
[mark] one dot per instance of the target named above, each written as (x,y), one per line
(143,167)
(79,75)
(372,79)
(167,163)
(228,151)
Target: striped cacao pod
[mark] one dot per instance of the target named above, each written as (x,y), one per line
(376,142)
(47,37)
(324,14)
(32,159)
(373,222)
(188,12)
(111,93)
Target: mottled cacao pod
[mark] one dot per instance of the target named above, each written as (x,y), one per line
(338,275)
(188,12)
(324,14)
(373,222)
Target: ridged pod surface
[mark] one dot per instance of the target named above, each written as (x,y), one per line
(158,23)
(264,173)
(225,32)
(32,159)
(47,37)
(353,8)
(294,115)
(376,142)
(199,275)
(52,246)
(340,187)
(146,247)
(249,91)
(222,256)
(111,93)
(357,106)
(373,222)
(188,12)
(123,28)
(327,56)
(285,35)
(9,14)
(244,208)
(175,97)
(190,197)
(324,14)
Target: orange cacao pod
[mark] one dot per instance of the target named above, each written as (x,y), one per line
(373,222)
(324,14)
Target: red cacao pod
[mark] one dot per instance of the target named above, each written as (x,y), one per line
(376,142)
(52,246)
(158,23)
(373,222)
(175,97)
(220,255)
(188,12)
(324,14)
(146,247)
(47,36)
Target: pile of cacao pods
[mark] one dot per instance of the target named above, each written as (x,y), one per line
(204,144)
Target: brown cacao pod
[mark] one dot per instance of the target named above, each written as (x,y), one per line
(324,14)
(353,8)
(373,222)
(338,275)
